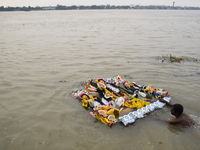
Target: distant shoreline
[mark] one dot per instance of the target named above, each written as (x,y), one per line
(74,7)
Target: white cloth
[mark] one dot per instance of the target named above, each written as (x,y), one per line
(119,101)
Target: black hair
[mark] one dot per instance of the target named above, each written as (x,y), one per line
(178,108)
(101,79)
(84,94)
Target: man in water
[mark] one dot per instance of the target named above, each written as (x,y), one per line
(177,111)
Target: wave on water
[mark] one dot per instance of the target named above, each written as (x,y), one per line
(197,120)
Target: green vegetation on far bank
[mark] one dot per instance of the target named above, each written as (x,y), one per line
(74,7)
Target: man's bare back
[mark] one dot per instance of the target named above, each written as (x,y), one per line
(177,111)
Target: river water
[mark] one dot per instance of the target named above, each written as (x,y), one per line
(41,48)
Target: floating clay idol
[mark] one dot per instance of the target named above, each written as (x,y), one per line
(115,100)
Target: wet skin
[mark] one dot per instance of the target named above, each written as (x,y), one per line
(182,119)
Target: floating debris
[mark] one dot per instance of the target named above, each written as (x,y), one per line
(64,81)
(170,58)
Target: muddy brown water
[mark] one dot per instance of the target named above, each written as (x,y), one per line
(41,48)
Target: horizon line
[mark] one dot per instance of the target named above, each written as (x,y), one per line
(99,5)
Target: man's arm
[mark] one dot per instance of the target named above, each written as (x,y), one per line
(174,121)
(168,103)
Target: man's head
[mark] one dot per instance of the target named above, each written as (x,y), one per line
(177,109)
